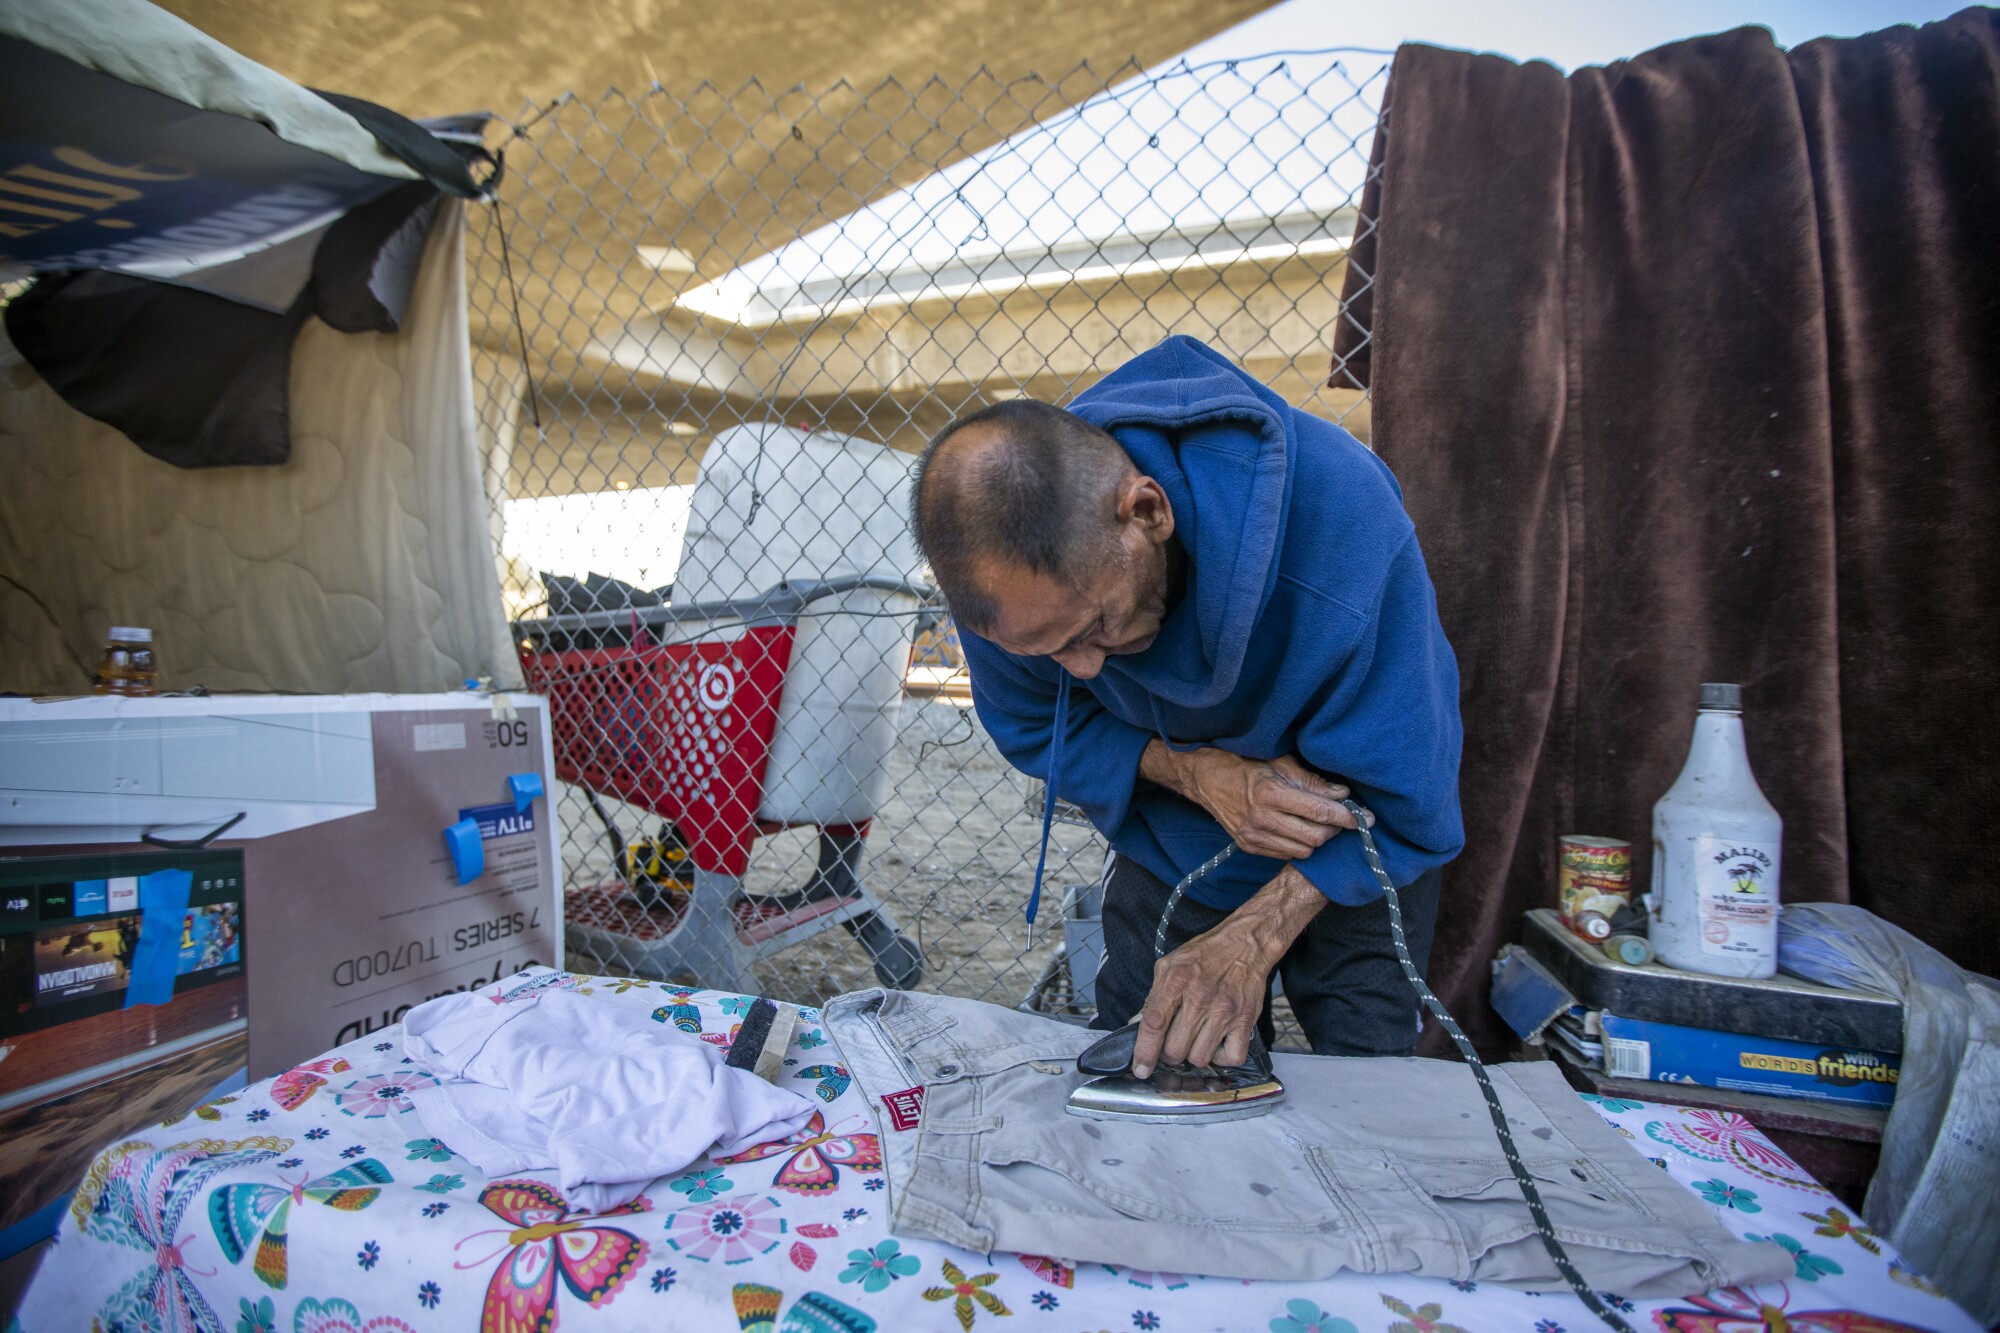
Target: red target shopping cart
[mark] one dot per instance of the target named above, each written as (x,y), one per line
(675,709)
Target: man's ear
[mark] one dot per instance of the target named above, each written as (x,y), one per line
(1141,501)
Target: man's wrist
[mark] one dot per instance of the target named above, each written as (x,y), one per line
(1181,771)
(1170,768)
(1277,914)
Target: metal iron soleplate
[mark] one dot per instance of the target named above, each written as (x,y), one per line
(1176,1099)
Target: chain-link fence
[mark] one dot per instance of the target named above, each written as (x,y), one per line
(711,332)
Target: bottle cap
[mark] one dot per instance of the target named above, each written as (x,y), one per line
(131,634)
(1633,950)
(1593,926)
(1721,698)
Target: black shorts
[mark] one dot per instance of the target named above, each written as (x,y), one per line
(1341,974)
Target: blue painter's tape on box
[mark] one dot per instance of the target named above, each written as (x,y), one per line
(1669,1053)
(500,821)
(466,849)
(163,904)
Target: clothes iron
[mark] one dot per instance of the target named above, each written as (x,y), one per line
(1172,1094)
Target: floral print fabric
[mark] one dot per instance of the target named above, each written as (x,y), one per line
(317,1202)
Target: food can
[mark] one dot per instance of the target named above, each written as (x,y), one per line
(1594,876)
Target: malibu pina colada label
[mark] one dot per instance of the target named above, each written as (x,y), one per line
(1736,882)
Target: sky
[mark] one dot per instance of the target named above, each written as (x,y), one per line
(635,535)
(1568,33)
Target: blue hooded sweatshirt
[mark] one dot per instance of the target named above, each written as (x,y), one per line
(1307,627)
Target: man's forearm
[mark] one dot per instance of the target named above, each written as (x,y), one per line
(1276,808)
(1277,914)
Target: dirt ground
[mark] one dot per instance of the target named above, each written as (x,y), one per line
(951,855)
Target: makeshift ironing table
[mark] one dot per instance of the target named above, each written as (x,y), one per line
(386,1230)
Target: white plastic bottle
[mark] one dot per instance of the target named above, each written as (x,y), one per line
(1716,852)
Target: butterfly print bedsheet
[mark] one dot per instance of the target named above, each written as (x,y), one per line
(282,1210)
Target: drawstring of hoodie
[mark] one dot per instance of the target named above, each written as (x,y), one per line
(1056,738)
(1049,795)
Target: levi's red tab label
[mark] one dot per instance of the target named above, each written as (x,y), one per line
(905,1107)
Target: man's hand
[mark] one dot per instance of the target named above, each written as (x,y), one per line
(1279,809)
(1208,994)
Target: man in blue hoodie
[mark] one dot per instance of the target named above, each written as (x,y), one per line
(1239,592)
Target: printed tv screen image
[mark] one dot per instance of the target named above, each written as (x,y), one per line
(84,936)
(211,936)
(87,958)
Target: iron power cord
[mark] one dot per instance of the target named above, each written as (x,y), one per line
(1533,1196)
(1174,898)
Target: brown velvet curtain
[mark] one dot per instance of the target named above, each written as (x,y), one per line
(1690,368)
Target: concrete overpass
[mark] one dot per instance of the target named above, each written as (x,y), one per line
(743,158)
(631,216)
(891,354)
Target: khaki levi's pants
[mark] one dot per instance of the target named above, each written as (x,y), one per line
(1375,1165)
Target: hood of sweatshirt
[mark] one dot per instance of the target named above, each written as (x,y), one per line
(1179,400)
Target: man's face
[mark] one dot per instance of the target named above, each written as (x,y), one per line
(1116,609)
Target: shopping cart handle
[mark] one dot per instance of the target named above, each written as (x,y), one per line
(780,605)
(791,598)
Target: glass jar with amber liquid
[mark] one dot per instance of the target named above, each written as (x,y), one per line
(127,667)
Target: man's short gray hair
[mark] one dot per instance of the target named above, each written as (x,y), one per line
(1040,495)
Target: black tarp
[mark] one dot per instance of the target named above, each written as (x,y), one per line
(139,214)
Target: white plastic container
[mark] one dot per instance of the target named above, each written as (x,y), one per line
(774,503)
(1716,853)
